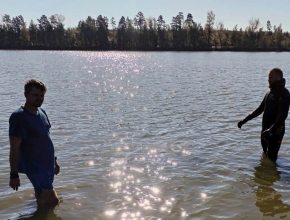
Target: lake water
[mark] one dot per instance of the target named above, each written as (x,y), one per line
(149,135)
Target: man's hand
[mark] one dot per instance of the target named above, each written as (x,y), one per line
(57,168)
(266,135)
(15,143)
(14,183)
(240,124)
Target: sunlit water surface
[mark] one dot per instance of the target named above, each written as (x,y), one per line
(147,135)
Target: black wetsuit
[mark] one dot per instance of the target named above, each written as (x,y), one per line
(275,106)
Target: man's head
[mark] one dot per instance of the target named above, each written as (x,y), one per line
(34,91)
(275,75)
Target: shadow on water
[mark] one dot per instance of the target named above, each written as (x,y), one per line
(40,214)
(268,201)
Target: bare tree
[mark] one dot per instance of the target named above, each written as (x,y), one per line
(209,25)
(56,20)
(254,24)
(278,35)
(221,32)
(113,23)
(60,18)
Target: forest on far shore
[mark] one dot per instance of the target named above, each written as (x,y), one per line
(182,33)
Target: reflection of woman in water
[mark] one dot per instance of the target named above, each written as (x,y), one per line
(268,200)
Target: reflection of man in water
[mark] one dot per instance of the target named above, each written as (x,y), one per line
(275,106)
(268,200)
(31,148)
(41,214)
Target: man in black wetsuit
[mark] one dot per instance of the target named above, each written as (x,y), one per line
(275,106)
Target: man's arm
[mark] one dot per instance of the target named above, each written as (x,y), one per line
(15,143)
(57,167)
(255,113)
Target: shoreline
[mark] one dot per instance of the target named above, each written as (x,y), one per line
(149,50)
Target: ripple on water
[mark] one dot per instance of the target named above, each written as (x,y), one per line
(150,135)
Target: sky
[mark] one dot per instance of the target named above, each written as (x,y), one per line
(230,12)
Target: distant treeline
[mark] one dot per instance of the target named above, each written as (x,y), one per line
(140,33)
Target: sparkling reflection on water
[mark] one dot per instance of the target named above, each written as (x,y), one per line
(143,135)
